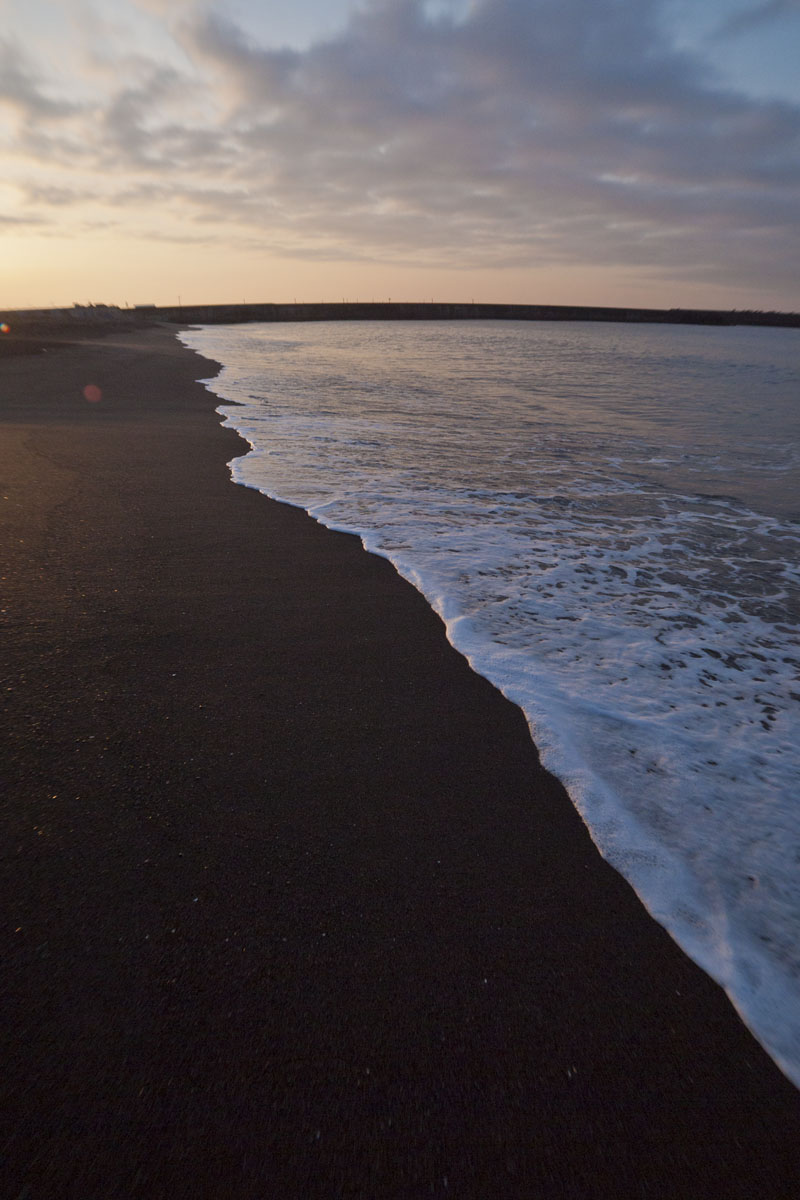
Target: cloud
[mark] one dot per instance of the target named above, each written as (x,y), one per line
(515,132)
(51,196)
(516,116)
(15,222)
(164,8)
(258,75)
(756,16)
(22,89)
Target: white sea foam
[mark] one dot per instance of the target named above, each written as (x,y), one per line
(606,517)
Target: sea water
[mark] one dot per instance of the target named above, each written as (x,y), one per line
(607,518)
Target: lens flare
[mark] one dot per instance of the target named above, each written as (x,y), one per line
(4,328)
(92,393)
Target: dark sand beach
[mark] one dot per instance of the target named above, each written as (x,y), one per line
(289,908)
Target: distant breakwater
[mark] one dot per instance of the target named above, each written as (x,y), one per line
(230,314)
(81,316)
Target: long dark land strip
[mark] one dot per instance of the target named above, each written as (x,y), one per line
(289,907)
(87,316)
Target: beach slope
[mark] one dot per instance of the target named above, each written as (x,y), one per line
(290,908)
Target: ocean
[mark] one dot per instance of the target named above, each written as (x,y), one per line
(607,518)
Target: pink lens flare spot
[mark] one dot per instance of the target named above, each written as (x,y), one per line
(92,393)
(4,328)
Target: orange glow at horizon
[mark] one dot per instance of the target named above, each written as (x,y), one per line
(57,272)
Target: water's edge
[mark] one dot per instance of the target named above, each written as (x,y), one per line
(693,914)
(548,756)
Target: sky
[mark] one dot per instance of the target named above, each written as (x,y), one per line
(621,152)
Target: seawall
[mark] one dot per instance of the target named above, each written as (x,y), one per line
(80,318)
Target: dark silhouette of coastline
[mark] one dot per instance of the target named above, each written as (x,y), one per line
(94,315)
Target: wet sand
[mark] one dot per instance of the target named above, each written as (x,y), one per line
(290,908)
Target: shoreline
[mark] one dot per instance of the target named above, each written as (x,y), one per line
(317,924)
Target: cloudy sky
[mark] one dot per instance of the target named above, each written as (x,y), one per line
(565,151)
